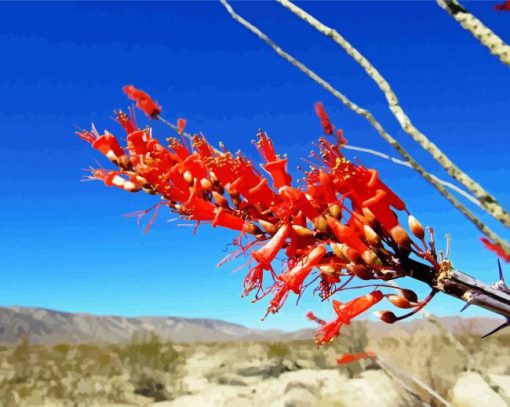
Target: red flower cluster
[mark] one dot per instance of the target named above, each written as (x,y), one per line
(340,223)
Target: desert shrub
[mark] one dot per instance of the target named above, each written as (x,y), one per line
(152,365)
(354,341)
(278,350)
(149,350)
(20,358)
(62,348)
(427,356)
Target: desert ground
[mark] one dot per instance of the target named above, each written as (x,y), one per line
(418,367)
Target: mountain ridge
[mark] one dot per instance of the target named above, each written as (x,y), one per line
(49,327)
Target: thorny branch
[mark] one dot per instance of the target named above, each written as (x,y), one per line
(371,119)
(488,202)
(480,31)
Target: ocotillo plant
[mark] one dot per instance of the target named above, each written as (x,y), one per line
(341,223)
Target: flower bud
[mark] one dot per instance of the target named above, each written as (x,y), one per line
(188,177)
(400,236)
(234,195)
(205,183)
(327,269)
(370,257)
(124,161)
(337,249)
(386,316)
(335,210)
(118,181)
(372,237)
(130,187)
(410,295)
(220,199)
(357,220)
(302,231)
(142,181)
(360,271)
(401,302)
(213,177)
(320,223)
(252,229)
(370,217)
(416,227)
(351,254)
(268,226)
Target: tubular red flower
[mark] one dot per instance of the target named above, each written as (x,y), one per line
(266,255)
(353,357)
(227,220)
(328,332)
(346,235)
(265,147)
(323,116)
(143,101)
(109,146)
(278,171)
(127,123)
(181,124)
(200,209)
(299,201)
(295,277)
(496,249)
(202,146)
(345,313)
(254,279)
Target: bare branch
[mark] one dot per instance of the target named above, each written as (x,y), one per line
(406,164)
(487,201)
(480,31)
(371,119)
(399,374)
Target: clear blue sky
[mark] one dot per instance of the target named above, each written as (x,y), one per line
(64,244)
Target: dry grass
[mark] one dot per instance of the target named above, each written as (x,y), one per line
(149,369)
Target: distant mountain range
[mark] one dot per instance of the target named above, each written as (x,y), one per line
(50,327)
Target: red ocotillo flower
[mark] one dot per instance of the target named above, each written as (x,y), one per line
(341,222)
(353,357)
(345,313)
(143,101)
(324,118)
(181,125)
(496,249)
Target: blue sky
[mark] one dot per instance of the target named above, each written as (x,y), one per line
(64,244)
